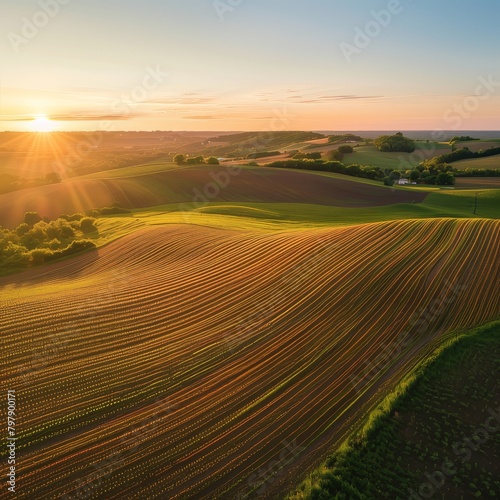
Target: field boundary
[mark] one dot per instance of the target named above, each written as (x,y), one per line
(370,423)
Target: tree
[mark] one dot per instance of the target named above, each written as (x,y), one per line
(336,155)
(179,159)
(31,218)
(388,181)
(196,160)
(395,174)
(354,170)
(213,161)
(445,179)
(87,225)
(346,149)
(414,175)
(394,143)
(22,229)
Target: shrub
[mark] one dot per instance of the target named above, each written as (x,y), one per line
(87,225)
(346,149)
(336,154)
(31,218)
(71,218)
(22,229)
(54,244)
(78,246)
(40,255)
(307,156)
(179,159)
(96,212)
(445,179)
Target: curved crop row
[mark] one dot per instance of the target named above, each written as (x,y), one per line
(189,361)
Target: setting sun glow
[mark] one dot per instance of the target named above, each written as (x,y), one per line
(42,124)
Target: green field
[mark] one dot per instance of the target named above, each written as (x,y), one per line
(487,162)
(210,324)
(434,435)
(370,155)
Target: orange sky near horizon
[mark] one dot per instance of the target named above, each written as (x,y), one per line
(281,65)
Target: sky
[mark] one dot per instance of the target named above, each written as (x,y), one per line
(242,65)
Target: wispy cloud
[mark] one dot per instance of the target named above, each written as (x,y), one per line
(16,118)
(203,117)
(225,117)
(66,118)
(80,117)
(334,98)
(188,98)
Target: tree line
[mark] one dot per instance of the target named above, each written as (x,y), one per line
(37,240)
(10,182)
(434,175)
(181,159)
(462,154)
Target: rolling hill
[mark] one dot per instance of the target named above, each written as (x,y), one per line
(196,186)
(184,360)
(486,162)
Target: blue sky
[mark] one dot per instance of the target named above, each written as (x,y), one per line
(236,65)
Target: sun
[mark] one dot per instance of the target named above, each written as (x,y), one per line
(42,124)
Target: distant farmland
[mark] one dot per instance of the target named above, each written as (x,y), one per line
(487,162)
(190,361)
(370,155)
(188,185)
(478,182)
